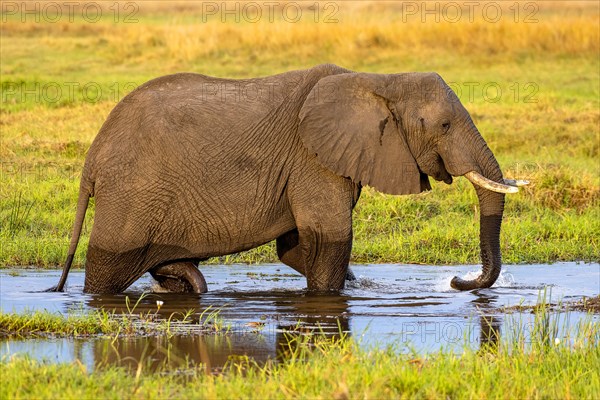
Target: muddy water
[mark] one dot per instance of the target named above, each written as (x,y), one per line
(405,306)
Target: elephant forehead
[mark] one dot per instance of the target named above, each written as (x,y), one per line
(417,86)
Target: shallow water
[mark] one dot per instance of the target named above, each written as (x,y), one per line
(406,306)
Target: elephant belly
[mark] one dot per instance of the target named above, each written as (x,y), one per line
(146,240)
(228,228)
(214,239)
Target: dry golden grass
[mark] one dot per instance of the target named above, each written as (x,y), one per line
(566,28)
(553,35)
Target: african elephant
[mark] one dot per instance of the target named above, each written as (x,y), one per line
(188,167)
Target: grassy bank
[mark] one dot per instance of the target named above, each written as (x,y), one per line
(539,114)
(550,361)
(339,370)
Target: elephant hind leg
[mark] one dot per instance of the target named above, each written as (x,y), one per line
(105,272)
(180,277)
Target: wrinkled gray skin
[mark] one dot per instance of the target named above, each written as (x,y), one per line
(188,167)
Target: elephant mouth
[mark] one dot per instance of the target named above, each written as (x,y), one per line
(442,175)
(433,166)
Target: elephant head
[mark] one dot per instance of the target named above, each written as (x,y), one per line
(392,131)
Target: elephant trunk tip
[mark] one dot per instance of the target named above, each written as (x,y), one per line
(462,284)
(54,289)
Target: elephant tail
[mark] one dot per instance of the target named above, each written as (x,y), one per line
(82,204)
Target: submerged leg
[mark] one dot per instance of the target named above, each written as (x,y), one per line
(181,277)
(290,253)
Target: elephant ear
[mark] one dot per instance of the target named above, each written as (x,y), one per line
(353,133)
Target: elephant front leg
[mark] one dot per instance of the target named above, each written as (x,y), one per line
(326,256)
(181,277)
(290,253)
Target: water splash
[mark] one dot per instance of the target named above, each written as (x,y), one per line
(443,284)
(371,284)
(505,280)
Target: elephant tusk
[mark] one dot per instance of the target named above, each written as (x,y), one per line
(480,180)
(516,182)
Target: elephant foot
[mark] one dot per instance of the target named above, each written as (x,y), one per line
(350,275)
(181,277)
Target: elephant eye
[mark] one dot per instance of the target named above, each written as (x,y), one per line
(446,126)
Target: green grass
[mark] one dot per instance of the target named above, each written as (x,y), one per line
(103,322)
(41,323)
(339,369)
(552,138)
(337,373)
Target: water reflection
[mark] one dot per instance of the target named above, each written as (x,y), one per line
(329,314)
(489,333)
(213,352)
(291,322)
(485,299)
(301,319)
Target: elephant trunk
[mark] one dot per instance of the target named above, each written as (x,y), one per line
(491,204)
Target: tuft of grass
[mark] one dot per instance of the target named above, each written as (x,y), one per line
(591,304)
(102,322)
(19,213)
(42,323)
